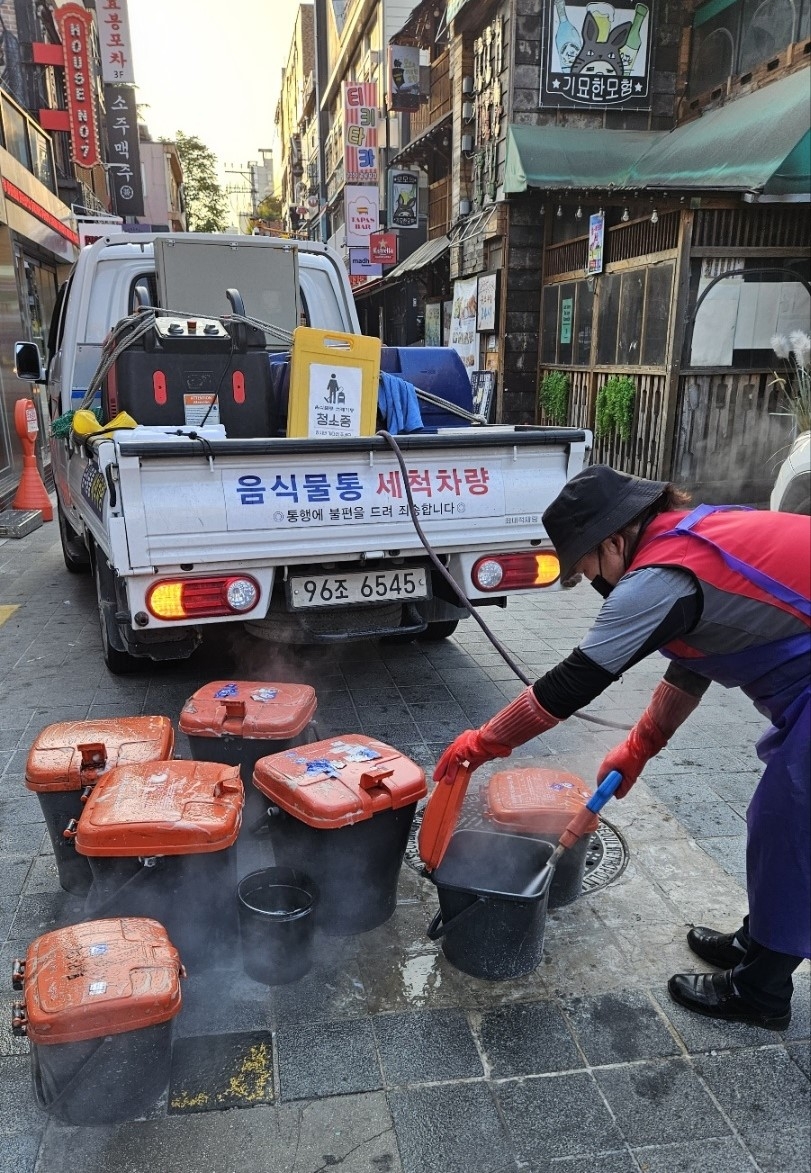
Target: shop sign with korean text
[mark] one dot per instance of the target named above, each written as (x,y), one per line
(596,55)
(75,24)
(360,132)
(404,201)
(403,90)
(458,488)
(383,248)
(115,47)
(123,151)
(362,216)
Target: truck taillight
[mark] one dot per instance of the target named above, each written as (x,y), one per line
(520,571)
(199,598)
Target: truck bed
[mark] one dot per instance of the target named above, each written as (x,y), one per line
(307,500)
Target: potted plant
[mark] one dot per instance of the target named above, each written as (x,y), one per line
(614,410)
(795,384)
(553,396)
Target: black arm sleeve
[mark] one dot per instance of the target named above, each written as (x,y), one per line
(571,685)
(687,681)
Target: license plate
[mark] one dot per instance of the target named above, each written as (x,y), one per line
(374,586)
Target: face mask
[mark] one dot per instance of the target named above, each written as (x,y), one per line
(602,586)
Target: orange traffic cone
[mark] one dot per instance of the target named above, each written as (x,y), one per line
(31,492)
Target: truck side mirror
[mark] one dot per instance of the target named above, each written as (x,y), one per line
(28,362)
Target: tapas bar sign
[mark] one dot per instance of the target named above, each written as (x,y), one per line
(74,24)
(596,55)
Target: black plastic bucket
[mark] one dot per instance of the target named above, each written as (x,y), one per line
(488,928)
(276,917)
(105,1080)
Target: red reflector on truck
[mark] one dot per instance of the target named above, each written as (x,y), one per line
(199,598)
(520,571)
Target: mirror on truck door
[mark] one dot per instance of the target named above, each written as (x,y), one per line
(28,362)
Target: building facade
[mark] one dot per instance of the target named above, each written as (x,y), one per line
(612,200)
(70,154)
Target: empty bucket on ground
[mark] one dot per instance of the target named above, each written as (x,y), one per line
(277,921)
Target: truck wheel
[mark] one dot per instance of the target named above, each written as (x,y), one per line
(442,629)
(74,551)
(117,659)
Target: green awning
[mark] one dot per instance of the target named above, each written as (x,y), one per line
(758,143)
(557,157)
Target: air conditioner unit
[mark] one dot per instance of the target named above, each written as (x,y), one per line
(468,110)
(466,143)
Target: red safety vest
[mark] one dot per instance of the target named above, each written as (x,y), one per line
(777,545)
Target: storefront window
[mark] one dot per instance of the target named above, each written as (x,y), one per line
(15,130)
(37,296)
(750,302)
(731,37)
(42,157)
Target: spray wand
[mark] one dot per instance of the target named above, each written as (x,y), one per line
(574,831)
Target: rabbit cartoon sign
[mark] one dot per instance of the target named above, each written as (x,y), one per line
(596,55)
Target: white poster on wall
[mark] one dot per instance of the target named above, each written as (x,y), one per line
(463,337)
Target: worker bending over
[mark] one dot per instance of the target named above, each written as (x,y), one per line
(723,592)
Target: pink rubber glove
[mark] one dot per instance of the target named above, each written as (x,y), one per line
(668,709)
(520,720)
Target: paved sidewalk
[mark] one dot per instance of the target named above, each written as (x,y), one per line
(384,1058)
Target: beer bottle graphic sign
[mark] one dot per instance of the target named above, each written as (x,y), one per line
(597,54)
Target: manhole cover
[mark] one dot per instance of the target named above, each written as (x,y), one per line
(606,857)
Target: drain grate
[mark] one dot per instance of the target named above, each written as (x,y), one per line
(606,858)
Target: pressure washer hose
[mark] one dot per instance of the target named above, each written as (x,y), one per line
(460,594)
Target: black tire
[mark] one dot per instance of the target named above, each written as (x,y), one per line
(74,551)
(797,497)
(118,661)
(442,629)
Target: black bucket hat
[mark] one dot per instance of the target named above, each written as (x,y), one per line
(591,507)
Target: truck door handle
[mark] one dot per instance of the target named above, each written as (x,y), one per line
(108,473)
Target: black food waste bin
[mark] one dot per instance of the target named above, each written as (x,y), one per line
(99,1002)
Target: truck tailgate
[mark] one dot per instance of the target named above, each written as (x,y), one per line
(297,501)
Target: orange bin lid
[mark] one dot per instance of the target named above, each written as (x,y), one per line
(440,817)
(162,808)
(248,708)
(537,801)
(73,754)
(102,977)
(341,780)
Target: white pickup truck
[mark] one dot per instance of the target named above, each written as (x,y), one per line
(198,518)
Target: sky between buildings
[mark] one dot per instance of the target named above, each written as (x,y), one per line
(212,68)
